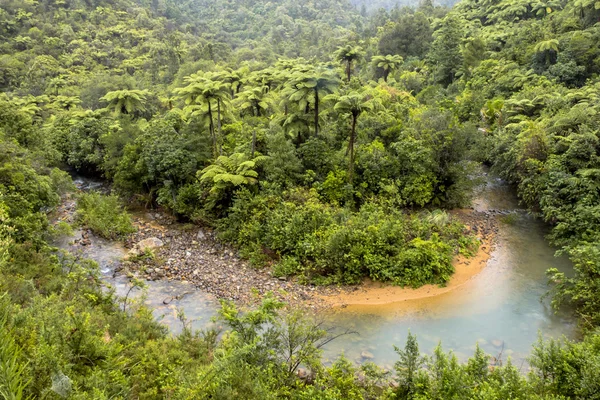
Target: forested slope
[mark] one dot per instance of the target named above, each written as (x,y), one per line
(321,142)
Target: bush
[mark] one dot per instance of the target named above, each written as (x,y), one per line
(104,215)
(330,244)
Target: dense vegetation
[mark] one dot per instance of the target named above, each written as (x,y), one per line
(310,135)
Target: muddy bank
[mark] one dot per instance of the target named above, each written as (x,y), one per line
(194,255)
(371,293)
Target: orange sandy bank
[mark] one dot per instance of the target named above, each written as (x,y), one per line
(377,293)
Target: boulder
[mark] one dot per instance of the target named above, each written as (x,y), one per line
(366,355)
(141,246)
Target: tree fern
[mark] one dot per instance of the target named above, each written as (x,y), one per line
(228,174)
(125,101)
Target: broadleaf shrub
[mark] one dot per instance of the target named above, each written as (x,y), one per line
(330,244)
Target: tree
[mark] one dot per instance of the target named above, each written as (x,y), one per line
(408,367)
(474,51)
(67,102)
(254,99)
(388,63)
(491,113)
(228,174)
(232,78)
(311,84)
(548,48)
(57,83)
(445,53)
(125,101)
(411,36)
(544,8)
(354,104)
(349,54)
(203,90)
(585,8)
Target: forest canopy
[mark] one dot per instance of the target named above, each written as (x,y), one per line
(324,140)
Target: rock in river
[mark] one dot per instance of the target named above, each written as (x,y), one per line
(367,355)
(140,247)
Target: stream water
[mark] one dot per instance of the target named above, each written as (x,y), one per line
(500,308)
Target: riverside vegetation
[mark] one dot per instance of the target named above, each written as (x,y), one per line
(319,140)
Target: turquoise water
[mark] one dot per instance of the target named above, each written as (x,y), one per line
(501,308)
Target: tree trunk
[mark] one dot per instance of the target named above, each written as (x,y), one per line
(386,73)
(219,118)
(253,142)
(351,148)
(211,129)
(348,69)
(316,112)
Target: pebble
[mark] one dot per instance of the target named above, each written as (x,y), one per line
(198,257)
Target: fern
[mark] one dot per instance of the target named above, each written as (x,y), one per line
(12,370)
(228,174)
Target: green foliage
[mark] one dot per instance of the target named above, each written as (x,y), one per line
(409,36)
(387,63)
(125,101)
(408,367)
(63,335)
(226,175)
(445,53)
(103,215)
(349,54)
(321,241)
(13,383)
(199,88)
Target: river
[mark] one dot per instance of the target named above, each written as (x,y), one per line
(500,308)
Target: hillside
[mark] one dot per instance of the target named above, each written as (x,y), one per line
(326,145)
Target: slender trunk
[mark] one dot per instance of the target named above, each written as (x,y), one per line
(219,118)
(351,148)
(253,142)
(316,112)
(211,129)
(386,72)
(285,110)
(348,69)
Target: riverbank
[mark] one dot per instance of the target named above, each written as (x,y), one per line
(377,293)
(194,255)
(497,306)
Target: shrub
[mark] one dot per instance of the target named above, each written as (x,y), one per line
(331,244)
(104,215)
